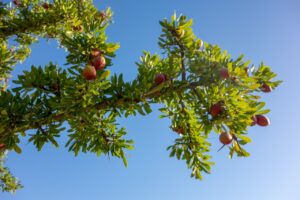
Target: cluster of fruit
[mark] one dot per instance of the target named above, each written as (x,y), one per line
(216,109)
(261,120)
(160,78)
(45,5)
(226,137)
(224,74)
(97,62)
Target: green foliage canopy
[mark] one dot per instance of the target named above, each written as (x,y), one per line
(45,98)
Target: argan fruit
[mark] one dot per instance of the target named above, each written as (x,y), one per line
(224,73)
(17,3)
(160,78)
(89,72)
(215,109)
(179,130)
(2,147)
(266,88)
(225,138)
(95,52)
(46,6)
(263,120)
(99,62)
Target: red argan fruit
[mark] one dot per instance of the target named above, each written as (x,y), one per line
(95,52)
(2,147)
(17,2)
(89,72)
(224,73)
(46,6)
(262,120)
(266,88)
(179,130)
(99,62)
(225,138)
(160,78)
(254,120)
(215,109)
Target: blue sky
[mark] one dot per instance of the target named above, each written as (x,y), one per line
(266,31)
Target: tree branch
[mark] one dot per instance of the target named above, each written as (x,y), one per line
(182,62)
(112,102)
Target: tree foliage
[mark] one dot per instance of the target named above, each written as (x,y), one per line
(46,98)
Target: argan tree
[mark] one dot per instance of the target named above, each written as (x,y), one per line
(202,89)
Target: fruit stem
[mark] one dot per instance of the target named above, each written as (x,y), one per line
(182,62)
(221,147)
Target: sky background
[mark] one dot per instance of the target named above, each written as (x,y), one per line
(266,31)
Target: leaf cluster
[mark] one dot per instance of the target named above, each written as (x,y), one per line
(51,100)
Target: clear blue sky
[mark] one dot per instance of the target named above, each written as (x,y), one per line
(266,31)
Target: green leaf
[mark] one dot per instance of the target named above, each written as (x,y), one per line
(147,108)
(53,142)
(262,112)
(124,159)
(110,48)
(244,139)
(231,152)
(17,149)
(22,133)
(260,105)
(140,110)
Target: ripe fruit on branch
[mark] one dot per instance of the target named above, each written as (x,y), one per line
(99,62)
(225,138)
(17,2)
(2,147)
(89,72)
(224,73)
(95,52)
(160,78)
(266,88)
(254,120)
(178,130)
(215,109)
(262,120)
(46,6)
